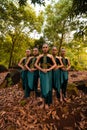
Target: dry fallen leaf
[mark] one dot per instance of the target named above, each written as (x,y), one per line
(30,116)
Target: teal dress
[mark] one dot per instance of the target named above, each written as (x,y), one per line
(25,80)
(46,79)
(64,76)
(56,78)
(33,77)
(23,74)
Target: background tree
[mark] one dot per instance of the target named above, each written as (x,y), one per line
(79,7)
(57,17)
(16,25)
(61,30)
(23,2)
(39,42)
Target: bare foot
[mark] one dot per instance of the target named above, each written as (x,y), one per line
(46,106)
(42,106)
(61,99)
(51,106)
(65,99)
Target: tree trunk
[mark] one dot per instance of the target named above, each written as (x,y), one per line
(61,41)
(11,52)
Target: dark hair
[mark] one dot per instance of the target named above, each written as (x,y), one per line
(62,49)
(54,46)
(45,44)
(27,49)
(35,47)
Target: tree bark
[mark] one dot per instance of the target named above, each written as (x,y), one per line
(61,40)
(11,52)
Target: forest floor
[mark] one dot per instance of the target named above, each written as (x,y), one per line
(17,113)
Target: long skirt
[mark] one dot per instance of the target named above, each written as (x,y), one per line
(56,79)
(25,83)
(46,86)
(33,80)
(64,81)
(24,78)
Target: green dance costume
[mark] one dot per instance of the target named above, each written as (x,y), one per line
(46,79)
(32,76)
(24,80)
(64,76)
(23,74)
(56,78)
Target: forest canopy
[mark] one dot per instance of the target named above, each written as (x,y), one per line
(23,2)
(53,25)
(78,6)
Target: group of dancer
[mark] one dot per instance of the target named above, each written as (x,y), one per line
(48,69)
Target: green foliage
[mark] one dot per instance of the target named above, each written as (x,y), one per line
(72,89)
(77,54)
(39,22)
(38,2)
(23,2)
(57,17)
(59,28)
(16,25)
(79,7)
(18,22)
(39,43)
(23,103)
(9,81)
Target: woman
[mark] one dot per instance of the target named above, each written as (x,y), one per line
(64,72)
(24,73)
(56,73)
(33,73)
(45,63)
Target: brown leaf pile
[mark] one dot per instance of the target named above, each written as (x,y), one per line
(17,113)
(2,77)
(77,76)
